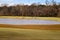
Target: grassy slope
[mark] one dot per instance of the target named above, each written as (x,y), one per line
(40,18)
(28,34)
(41,27)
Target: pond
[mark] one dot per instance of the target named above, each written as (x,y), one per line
(26,21)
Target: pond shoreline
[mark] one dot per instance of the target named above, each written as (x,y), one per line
(30,18)
(39,27)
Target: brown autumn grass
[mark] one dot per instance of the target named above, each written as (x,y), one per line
(41,27)
(47,32)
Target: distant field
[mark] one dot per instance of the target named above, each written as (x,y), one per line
(40,18)
(28,34)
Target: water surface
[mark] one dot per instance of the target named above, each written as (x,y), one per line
(26,21)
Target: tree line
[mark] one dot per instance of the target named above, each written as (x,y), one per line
(34,10)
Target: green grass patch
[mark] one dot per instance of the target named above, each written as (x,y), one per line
(28,34)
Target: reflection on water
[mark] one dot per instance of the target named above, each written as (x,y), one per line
(25,21)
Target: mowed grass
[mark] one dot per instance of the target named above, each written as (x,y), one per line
(37,18)
(39,27)
(28,34)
